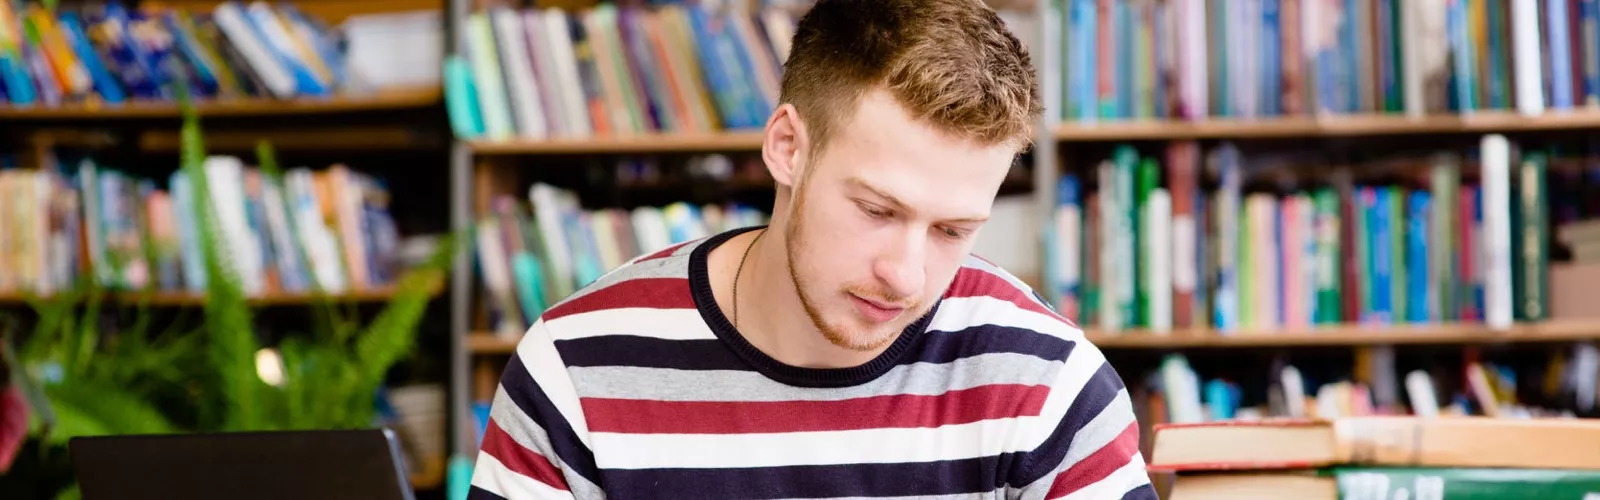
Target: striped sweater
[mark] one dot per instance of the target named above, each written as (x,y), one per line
(637,386)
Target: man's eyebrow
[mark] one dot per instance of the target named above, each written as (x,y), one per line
(858,182)
(900,205)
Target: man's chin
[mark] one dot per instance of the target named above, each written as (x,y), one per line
(863,338)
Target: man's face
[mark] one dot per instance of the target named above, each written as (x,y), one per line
(882,219)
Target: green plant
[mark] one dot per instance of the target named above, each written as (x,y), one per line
(101,377)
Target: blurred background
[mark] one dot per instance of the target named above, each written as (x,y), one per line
(335,214)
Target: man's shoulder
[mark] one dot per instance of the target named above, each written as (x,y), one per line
(983,293)
(656,280)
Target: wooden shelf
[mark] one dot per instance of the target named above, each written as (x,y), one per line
(388,99)
(642,143)
(1353,335)
(487,343)
(184,299)
(1329,126)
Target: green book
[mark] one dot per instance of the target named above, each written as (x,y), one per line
(1534,257)
(1126,233)
(1326,203)
(1446,181)
(1247,289)
(1147,177)
(1392,483)
(1397,252)
(1423,483)
(1363,245)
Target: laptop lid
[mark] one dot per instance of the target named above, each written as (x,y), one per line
(308,465)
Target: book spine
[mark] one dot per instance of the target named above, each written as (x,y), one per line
(1535,256)
(1418,295)
(1372,483)
(1182,177)
(1146,178)
(1496,194)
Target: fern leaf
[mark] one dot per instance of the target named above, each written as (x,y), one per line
(228,324)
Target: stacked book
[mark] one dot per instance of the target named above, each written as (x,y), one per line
(1279,242)
(1194,59)
(609,70)
(328,230)
(531,255)
(1382,458)
(109,54)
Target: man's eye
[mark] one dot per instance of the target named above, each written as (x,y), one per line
(953,233)
(875,212)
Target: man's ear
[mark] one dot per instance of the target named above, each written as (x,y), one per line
(783,146)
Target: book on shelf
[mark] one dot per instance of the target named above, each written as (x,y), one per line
(608,70)
(303,230)
(1266,58)
(532,253)
(110,53)
(1277,241)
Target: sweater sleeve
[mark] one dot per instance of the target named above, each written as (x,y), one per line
(535,444)
(1092,446)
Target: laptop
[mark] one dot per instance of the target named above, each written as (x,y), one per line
(309,465)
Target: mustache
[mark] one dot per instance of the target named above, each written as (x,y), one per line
(881,296)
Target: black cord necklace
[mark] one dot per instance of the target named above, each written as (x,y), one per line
(740,271)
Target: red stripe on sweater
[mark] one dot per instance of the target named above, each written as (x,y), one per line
(980,403)
(653,293)
(519,459)
(973,282)
(663,253)
(1097,465)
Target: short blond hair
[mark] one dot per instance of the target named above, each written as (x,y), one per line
(952,64)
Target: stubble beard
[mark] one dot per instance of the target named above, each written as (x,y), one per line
(836,334)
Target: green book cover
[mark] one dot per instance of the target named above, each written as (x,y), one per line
(1126,232)
(1431,483)
(1534,258)
(1246,270)
(1446,181)
(1397,252)
(1148,176)
(1363,247)
(1327,251)
(1394,97)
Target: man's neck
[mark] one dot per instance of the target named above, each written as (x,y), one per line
(770,314)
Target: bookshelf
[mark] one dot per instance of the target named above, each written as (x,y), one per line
(185,299)
(382,100)
(478,163)
(1330,126)
(625,144)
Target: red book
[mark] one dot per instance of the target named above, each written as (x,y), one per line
(1467,250)
(1183,165)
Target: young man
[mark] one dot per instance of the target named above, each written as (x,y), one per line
(853,348)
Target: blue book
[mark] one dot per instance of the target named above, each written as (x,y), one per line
(1417,282)
(1279,256)
(1499,82)
(1463,75)
(1226,305)
(1158,53)
(104,83)
(1066,196)
(1382,260)
(1388,78)
(1477,232)
(1081,76)
(1350,59)
(717,77)
(1124,20)
(1590,10)
(1560,59)
(1271,91)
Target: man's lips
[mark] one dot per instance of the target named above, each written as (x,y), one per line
(875,310)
